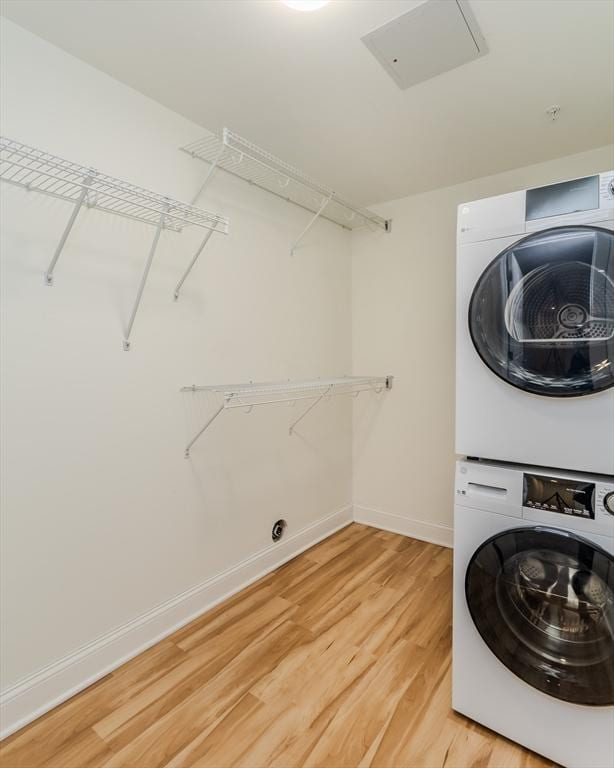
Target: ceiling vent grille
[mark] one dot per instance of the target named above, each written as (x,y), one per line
(432,38)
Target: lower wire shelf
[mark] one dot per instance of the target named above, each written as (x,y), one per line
(266,393)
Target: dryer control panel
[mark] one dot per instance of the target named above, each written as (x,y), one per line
(585,201)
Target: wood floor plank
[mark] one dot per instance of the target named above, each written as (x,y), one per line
(340,658)
(37,743)
(108,725)
(399,734)
(236,628)
(204,669)
(168,735)
(341,572)
(470,748)
(293,705)
(227,611)
(87,749)
(363,715)
(343,541)
(231,736)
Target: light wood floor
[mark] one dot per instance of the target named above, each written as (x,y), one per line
(339,658)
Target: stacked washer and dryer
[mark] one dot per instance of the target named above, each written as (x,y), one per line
(534,504)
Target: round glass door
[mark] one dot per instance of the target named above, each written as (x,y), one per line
(543,602)
(542,313)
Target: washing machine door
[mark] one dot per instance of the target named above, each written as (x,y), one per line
(542,313)
(543,602)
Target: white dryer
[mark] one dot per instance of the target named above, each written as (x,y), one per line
(535,326)
(534,608)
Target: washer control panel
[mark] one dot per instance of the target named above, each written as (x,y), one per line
(574,501)
(557,494)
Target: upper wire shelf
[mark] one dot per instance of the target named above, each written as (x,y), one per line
(34,169)
(37,170)
(265,393)
(245,159)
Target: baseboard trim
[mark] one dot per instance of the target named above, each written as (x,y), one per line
(32,697)
(416,529)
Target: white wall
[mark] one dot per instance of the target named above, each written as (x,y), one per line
(109,536)
(103,518)
(403,310)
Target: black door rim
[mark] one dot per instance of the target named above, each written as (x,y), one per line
(608,698)
(511,382)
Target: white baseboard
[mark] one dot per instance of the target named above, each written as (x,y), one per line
(416,529)
(40,692)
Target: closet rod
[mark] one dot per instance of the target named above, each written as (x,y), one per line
(247,396)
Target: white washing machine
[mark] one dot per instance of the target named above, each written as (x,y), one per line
(535,326)
(534,608)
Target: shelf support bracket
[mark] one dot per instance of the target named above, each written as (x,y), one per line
(141,288)
(191,264)
(313,220)
(201,431)
(307,410)
(210,172)
(79,202)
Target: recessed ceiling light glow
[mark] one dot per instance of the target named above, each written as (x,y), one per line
(305,5)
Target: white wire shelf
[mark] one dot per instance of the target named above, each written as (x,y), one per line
(39,171)
(242,158)
(249,395)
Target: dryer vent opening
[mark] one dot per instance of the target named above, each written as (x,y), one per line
(278,530)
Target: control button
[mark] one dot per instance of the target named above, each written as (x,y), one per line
(608,502)
(611,187)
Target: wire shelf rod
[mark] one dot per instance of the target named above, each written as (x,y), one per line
(310,408)
(260,168)
(268,160)
(65,233)
(210,173)
(202,431)
(313,220)
(280,194)
(200,249)
(288,385)
(246,395)
(141,288)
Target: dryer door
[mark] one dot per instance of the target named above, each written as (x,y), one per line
(543,602)
(542,313)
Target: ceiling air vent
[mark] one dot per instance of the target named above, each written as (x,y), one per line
(432,38)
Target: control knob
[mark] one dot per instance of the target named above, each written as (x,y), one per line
(608,502)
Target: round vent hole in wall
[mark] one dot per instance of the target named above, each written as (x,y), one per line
(279,528)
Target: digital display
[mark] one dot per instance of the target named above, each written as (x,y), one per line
(559,199)
(553,494)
